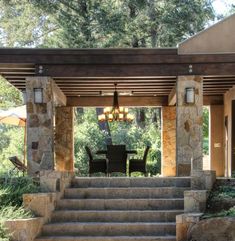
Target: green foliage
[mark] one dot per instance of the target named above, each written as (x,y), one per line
(11,212)
(224,213)
(223,192)
(11,144)
(23,25)
(11,200)
(107,23)
(9,95)
(11,192)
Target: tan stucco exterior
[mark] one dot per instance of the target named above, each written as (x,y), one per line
(217,148)
(219,38)
(228,97)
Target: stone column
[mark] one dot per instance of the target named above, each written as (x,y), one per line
(40,126)
(189,123)
(168,141)
(64,140)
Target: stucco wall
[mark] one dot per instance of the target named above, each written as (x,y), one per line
(219,38)
(228,97)
(217,147)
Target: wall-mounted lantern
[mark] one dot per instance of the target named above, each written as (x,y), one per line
(190,95)
(24,97)
(38,95)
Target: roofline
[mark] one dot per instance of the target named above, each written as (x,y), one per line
(204,30)
(75,51)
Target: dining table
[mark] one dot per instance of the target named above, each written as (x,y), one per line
(104,152)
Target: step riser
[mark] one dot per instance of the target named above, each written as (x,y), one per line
(119,216)
(116,204)
(131,182)
(167,192)
(109,229)
(107,239)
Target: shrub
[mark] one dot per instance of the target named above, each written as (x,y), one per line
(11,212)
(12,191)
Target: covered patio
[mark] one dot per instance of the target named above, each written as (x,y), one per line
(145,77)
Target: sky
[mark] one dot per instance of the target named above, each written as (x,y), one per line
(222,6)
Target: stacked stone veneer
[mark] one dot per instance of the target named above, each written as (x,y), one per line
(189,121)
(64,141)
(40,126)
(169,141)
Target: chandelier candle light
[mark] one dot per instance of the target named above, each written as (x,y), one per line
(115,113)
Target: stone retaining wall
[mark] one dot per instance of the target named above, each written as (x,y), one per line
(24,229)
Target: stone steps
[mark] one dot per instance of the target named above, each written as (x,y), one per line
(107,238)
(115,216)
(101,182)
(117,209)
(109,229)
(121,204)
(127,192)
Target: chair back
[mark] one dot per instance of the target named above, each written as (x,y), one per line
(18,164)
(116,155)
(146,153)
(88,151)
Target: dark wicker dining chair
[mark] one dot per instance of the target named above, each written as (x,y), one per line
(139,165)
(96,165)
(116,157)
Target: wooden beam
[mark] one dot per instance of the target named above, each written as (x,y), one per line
(59,97)
(172,97)
(102,101)
(125,70)
(109,56)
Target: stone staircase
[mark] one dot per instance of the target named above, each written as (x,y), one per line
(118,209)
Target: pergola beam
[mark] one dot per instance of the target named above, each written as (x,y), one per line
(101,101)
(131,70)
(132,101)
(172,97)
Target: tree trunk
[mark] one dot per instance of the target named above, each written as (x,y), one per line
(104,126)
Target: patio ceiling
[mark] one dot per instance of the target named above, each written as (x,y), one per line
(138,72)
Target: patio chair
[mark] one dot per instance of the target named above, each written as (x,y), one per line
(116,155)
(139,165)
(18,165)
(95,165)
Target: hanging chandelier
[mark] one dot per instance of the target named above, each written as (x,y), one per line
(115,113)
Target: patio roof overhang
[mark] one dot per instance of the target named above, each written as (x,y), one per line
(87,76)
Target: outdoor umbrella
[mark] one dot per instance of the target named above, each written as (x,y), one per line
(15,116)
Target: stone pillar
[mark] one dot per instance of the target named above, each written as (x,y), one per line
(40,126)
(189,121)
(217,146)
(64,141)
(168,141)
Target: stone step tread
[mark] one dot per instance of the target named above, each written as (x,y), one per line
(106,238)
(118,211)
(131,182)
(115,215)
(109,223)
(121,204)
(132,178)
(116,199)
(109,228)
(125,192)
(125,188)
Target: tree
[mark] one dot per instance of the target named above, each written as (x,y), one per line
(132,23)
(23,25)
